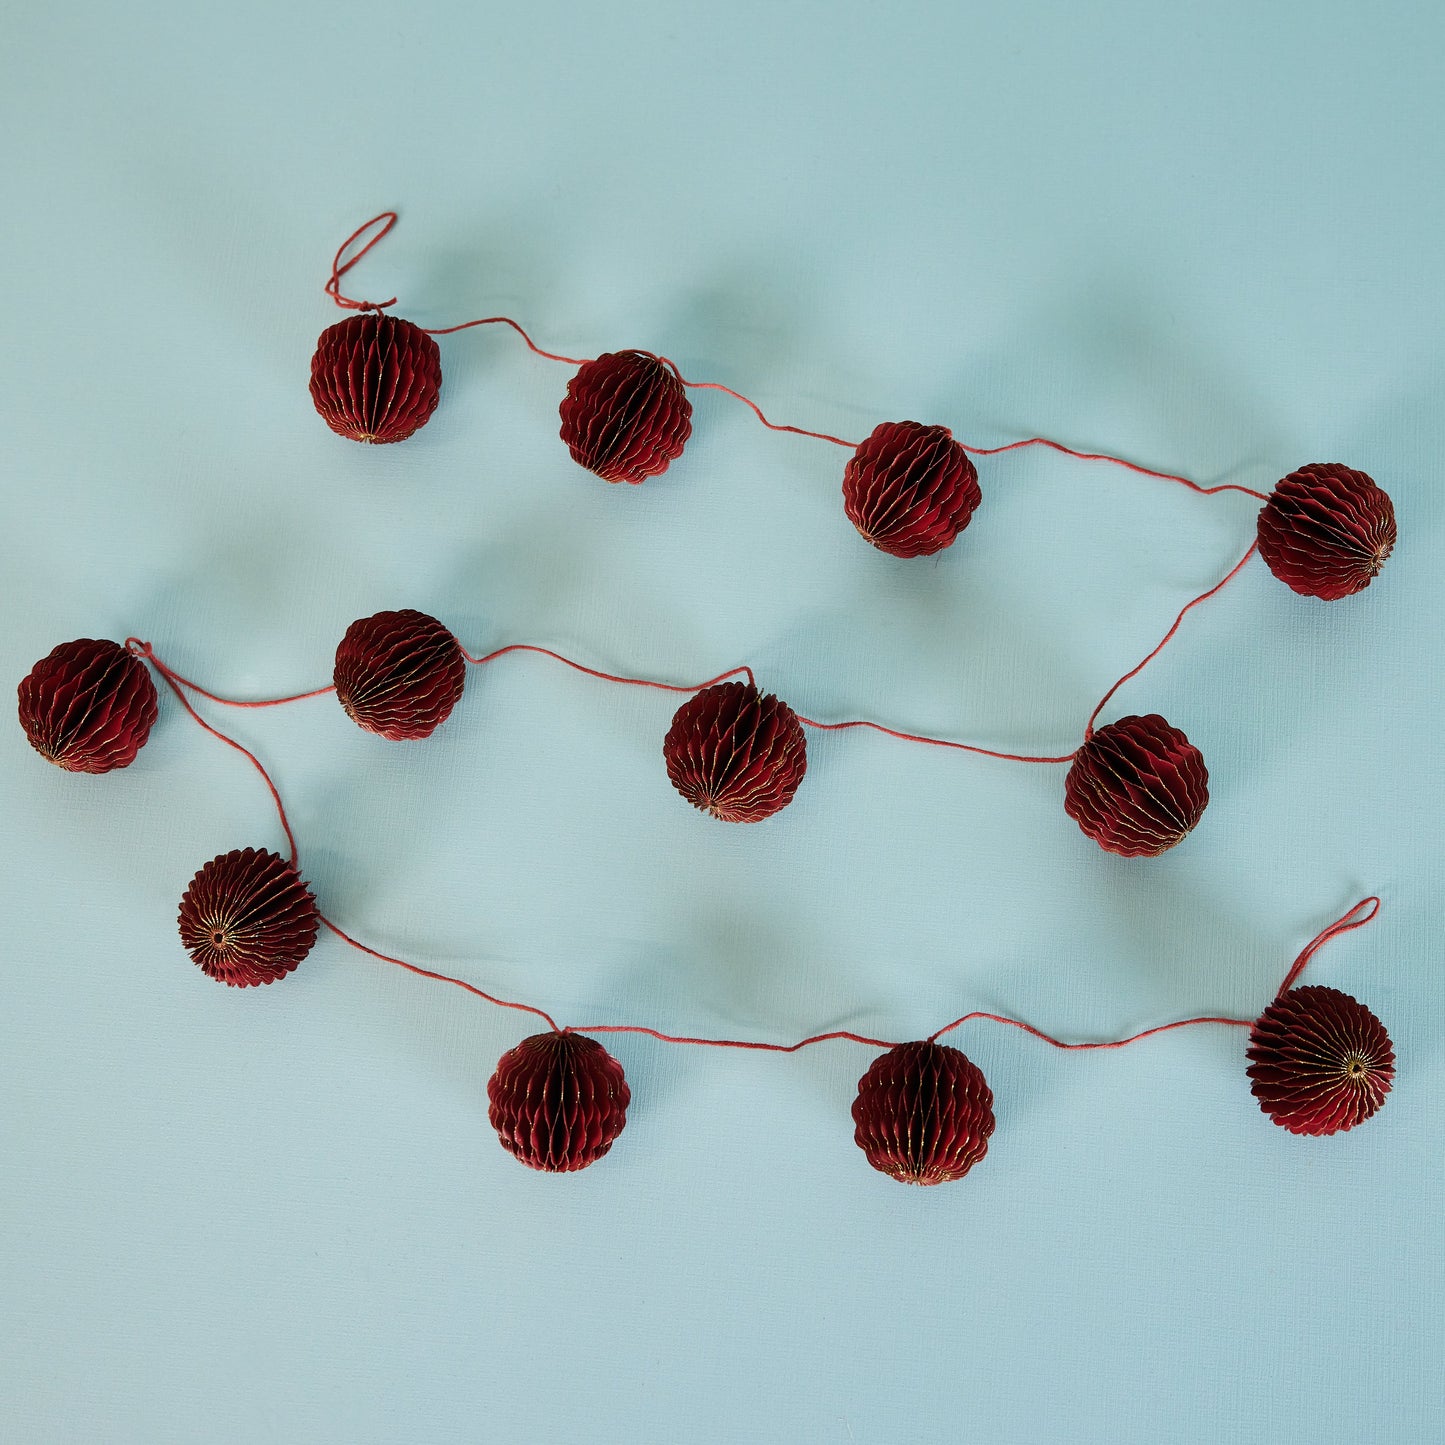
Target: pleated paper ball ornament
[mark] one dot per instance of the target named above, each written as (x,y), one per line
(558,1101)
(88,705)
(247,918)
(399,674)
(1319,1061)
(924,1113)
(375,378)
(626,416)
(735,752)
(910,489)
(1137,786)
(1326,530)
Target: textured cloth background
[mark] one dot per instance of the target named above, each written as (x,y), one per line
(1207,237)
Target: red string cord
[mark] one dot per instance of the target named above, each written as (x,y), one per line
(340,267)
(1356,917)
(480,661)
(175,682)
(1168,636)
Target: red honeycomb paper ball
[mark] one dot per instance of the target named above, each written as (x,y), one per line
(626,416)
(375,378)
(924,1113)
(399,674)
(735,752)
(910,489)
(1326,530)
(1137,786)
(247,918)
(558,1101)
(88,705)
(1319,1061)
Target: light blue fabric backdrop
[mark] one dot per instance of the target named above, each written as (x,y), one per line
(1206,236)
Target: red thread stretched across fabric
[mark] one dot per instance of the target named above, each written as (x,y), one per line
(1356,917)
(173,681)
(339,268)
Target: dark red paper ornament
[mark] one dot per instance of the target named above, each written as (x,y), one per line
(88,705)
(924,1113)
(399,674)
(558,1101)
(626,416)
(247,918)
(1319,1061)
(1137,786)
(1326,530)
(735,752)
(910,489)
(375,378)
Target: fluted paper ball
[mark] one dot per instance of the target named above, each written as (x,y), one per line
(558,1101)
(247,918)
(626,416)
(735,752)
(399,674)
(1326,530)
(1137,786)
(375,378)
(910,489)
(1319,1061)
(88,705)
(924,1113)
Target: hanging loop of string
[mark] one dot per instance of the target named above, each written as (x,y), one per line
(340,268)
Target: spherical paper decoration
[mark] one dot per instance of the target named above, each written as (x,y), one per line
(1137,786)
(558,1101)
(88,705)
(924,1113)
(1326,530)
(626,416)
(247,918)
(375,378)
(735,752)
(1319,1061)
(910,489)
(399,674)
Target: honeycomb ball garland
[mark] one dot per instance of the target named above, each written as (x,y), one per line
(88,705)
(399,674)
(558,1101)
(375,378)
(924,1113)
(735,752)
(1326,530)
(1137,786)
(1319,1061)
(910,489)
(247,918)
(626,416)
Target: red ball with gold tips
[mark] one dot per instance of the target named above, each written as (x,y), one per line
(88,705)
(558,1101)
(910,489)
(1319,1061)
(1137,786)
(247,918)
(399,674)
(375,378)
(735,752)
(924,1113)
(1326,530)
(626,416)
